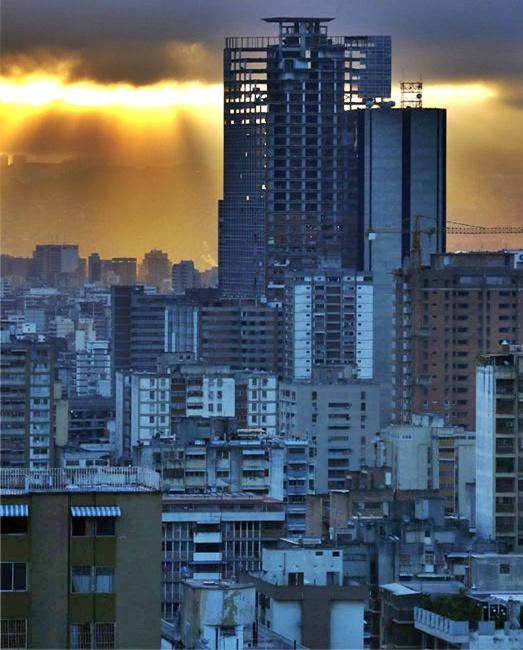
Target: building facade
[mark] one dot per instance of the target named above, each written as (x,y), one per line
(73,574)
(286,149)
(499,407)
(446,313)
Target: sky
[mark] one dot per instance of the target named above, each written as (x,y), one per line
(133,89)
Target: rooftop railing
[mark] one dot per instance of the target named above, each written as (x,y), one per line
(109,479)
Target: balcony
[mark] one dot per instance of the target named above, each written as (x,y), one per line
(441,627)
(207,538)
(100,479)
(207,558)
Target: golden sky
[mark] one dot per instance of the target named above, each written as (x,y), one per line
(151,131)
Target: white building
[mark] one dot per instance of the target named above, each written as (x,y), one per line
(328,321)
(427,455)
(143,403)
(93,369)
(499,424)
(301,596)
(215,613)
(339,415)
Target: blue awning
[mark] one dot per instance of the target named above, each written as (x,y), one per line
(95,511)
(14,510)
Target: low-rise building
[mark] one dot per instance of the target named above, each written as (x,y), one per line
(214,537)
(302,596)
(73,545)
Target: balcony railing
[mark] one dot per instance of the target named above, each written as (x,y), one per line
(441,627)
(109,479)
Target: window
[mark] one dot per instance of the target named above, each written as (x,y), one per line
(105,526)
(81,580)
(99,636)
(104,580)
(87,579)
(504,569)
(13,633)
(13,525)
(14,576)
(295,579)
(79,526)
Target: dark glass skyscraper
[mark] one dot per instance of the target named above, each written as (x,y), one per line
(286,150)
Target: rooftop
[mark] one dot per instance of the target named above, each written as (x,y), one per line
(99,479)
(297,19)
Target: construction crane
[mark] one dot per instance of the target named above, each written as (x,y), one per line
(458,228)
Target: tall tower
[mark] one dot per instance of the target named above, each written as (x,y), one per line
(286,147)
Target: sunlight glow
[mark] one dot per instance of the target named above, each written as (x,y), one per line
(54,92)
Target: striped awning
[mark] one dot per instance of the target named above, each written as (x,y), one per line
(95,511)
(14,510)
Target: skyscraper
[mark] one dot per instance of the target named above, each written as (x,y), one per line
(397,185)
(286,150)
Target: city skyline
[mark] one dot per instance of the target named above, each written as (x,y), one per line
(82,92)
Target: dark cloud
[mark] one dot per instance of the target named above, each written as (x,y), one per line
(131,40)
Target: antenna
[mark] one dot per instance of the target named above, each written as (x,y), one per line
(411,94)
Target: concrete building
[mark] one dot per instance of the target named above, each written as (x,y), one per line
(286,149)
(302,596)
(215,613)
(124,268)
(94,268)
(499,426)
(427,455)
(56,264)
(242,335)
(143,405)
(92,374)
(339,416)
(32,405)
(73,549)
(398,195)
(250,462)
(184,275)
(156,269)
(447,312)
(212,537)
(328,320)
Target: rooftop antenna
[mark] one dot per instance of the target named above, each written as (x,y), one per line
(411,94)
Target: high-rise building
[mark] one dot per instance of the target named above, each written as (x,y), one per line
(339,415)
(73,550)
(28,400)
(286,150)
(446,313)
(185,276)
(328,322)
(156,269)
(499,434)
(241,334)
(397,180)
(125,269)
(55,262)
(94,268)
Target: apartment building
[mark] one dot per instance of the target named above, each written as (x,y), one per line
(241,334)
(92,372)
(446,313)
(328,320)
(33,410)
(303,597)
(143,405)
(250,462)
(427,455)
(72,551)
(339,415)
(499,461)
(214,536)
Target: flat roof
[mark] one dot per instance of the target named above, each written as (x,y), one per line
(296,19)
(398,589)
